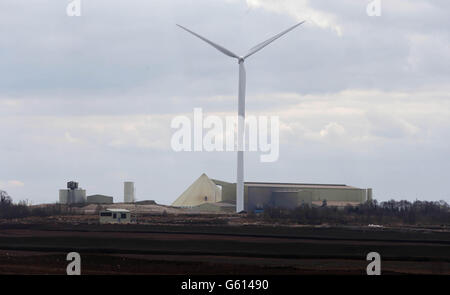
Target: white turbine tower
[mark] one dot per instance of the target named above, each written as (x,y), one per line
(241,108)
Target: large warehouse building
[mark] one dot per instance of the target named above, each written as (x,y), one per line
(99,199)
(258,195)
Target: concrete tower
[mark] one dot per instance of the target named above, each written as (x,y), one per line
(128,192)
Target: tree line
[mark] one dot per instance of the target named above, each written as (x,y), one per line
(371,212)
(10,210)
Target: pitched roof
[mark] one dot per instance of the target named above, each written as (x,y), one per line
(117,210)
(201,191)
(297,185)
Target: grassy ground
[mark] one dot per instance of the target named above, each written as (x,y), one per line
(220,249)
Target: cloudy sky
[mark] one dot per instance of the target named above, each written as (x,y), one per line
(362,100)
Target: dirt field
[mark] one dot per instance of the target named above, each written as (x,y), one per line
(204,245)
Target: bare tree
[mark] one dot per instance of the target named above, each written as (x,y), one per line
(5,198)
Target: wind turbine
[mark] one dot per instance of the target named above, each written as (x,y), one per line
(241,105)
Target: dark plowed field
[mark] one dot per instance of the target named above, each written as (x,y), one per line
(221,249)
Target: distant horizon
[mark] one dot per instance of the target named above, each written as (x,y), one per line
(121,198)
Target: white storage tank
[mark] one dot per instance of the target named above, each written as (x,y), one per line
(128,192)
(67,196)
(72,194)
(63,196)
(369,194)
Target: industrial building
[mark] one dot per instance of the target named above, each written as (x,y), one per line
(115,216)
(99,199)
(73,194)
(258,195)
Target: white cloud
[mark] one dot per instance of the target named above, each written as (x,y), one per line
(7,184)
(355,116)
(362,117)
(70,138)
(300,10)
(332,130)
(132,131)
(386,126)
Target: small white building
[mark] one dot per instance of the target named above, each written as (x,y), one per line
(115,216)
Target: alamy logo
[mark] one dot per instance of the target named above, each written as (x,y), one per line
(74,8)
(213,133)
(74,267)
(374,8)
(373,268)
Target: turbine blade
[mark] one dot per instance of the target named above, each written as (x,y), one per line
(267,42)
(218,47)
